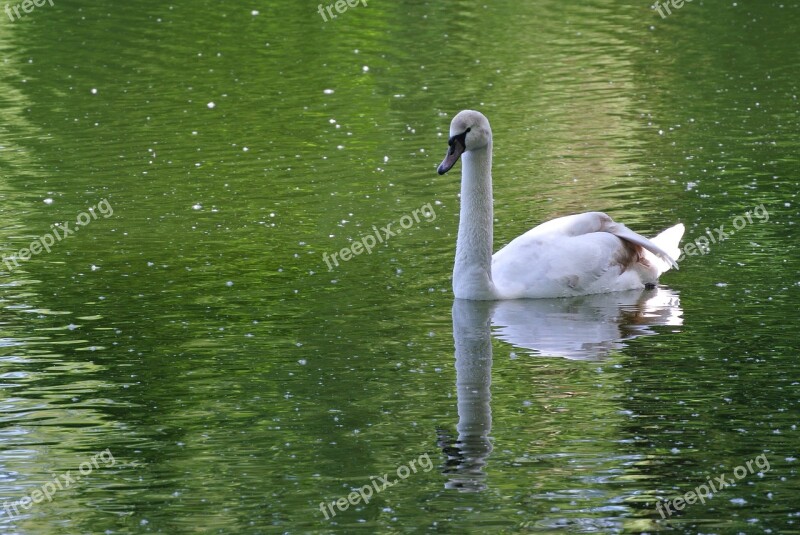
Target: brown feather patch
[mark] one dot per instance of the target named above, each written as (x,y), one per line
(630,254)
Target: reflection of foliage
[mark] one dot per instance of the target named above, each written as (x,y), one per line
(245,404)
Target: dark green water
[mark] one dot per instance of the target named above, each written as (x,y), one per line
(190,338)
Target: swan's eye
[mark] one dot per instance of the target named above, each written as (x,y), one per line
(468,129)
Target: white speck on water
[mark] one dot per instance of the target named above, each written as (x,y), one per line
(738,501)
(675,450)
(95,268)
(197,206)
(254,12)
(94,91)
(721,284)
(365,68)
(48,201)
(245,149)
(328,91)
(211,105)
(229,284)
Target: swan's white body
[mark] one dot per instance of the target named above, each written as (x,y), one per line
(580,254)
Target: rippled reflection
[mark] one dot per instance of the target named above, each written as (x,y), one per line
(587,327)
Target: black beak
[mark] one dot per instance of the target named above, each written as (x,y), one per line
(457,148)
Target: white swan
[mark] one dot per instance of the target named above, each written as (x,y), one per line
(574,255)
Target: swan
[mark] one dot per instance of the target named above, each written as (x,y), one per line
(580,254)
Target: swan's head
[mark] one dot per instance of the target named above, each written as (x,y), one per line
(469,130)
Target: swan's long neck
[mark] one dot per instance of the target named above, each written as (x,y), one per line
(472,274)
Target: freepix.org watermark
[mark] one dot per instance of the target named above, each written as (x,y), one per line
(27,6)
(702,244)
(713,485)
(378,483)
(60,482)
(59,232)
(340,6)
(677,4)
(368,242)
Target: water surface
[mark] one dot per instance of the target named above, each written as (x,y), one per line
(199,337)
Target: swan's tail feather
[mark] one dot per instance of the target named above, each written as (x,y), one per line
(669,241)
(661,251)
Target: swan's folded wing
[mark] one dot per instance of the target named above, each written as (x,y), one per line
(573,225)
(554,265)
(621,231)
(589,222)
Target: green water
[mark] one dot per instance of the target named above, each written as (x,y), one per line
(186,361)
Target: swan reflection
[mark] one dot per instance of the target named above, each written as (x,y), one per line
(587,327)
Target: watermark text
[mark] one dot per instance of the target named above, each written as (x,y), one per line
(712,485)
(340,6)
(59,232)
(677,4)
(60,482)
(702,244)
(379,483)
(27,6)
(369,241)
